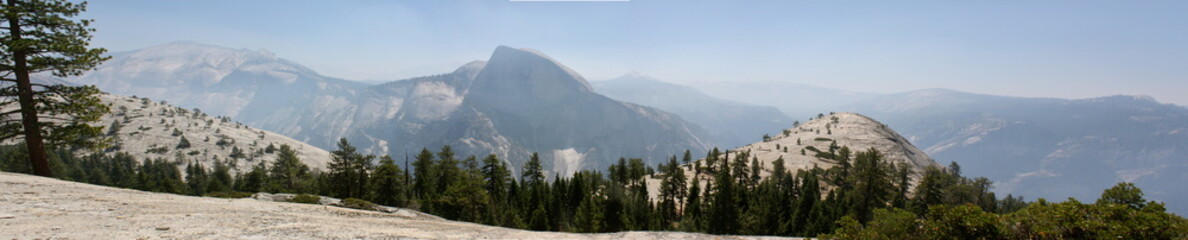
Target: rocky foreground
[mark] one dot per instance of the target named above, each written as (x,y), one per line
(45,208)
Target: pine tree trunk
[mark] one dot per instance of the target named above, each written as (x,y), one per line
(33,138)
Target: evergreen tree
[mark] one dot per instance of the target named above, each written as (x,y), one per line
(197,179)
(348,171)
(288,173)
(464,198)
(723,212)
(931,189)
(447,169)
(220,177)
(903,181)
(692,220)
(47,36)
(588,218)
(672,191)
(236,152)
(425,182)
(387,183)
(497,176)
(872,185)
(687,157)
(184,143)
(806,205)
(533,172)
(254,180)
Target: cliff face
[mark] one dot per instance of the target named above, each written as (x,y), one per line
(518,102)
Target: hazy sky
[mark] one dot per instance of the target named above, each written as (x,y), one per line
(1068,49)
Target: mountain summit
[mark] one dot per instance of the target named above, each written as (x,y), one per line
(526,73)
(823,135)
(540,104)
(517,102)
(223,81)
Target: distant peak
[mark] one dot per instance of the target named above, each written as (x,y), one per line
(505,51)
(636,76)
(529,64)
(471,69)
(473,66)
(1148,98)
(1122,98)
(197,47)
(937,91)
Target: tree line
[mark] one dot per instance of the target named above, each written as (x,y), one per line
(724,193)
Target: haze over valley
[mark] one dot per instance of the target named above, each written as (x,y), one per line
(593,120)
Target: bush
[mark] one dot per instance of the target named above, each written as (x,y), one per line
(358,204)
(306,198)
(823,139)
(811,148)
(228,194)
(157,150)
(886,224)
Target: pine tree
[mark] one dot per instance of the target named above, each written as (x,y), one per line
(872,185)
(496,176)
(723,210)
(184,143)
(425,182)
(903,181)
(931,189)
(464,198)
(254,180)
(236,153)
(447,169)
(804,213)
(387,183)
(692,220)
(588,217)
(687,157)
(220,177)
(348,171)
(533,172)
(197,179)
(288,174)
(48,36)
(672,190)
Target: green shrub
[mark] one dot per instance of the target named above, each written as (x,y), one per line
(823,139)
(358,204)
(811,148)
(228,194)
(306,198)
(157,150)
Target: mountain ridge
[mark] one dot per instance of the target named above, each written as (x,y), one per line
(1047,147)
(730,123)
(494,106)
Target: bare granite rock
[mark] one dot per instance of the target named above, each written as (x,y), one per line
(45,208)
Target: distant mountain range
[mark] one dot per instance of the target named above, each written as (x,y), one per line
(1045,147)
(521,101)
(1034,147)
(799,101)
(730,123)
(517,103)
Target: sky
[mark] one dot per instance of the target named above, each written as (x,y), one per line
(1064,49)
